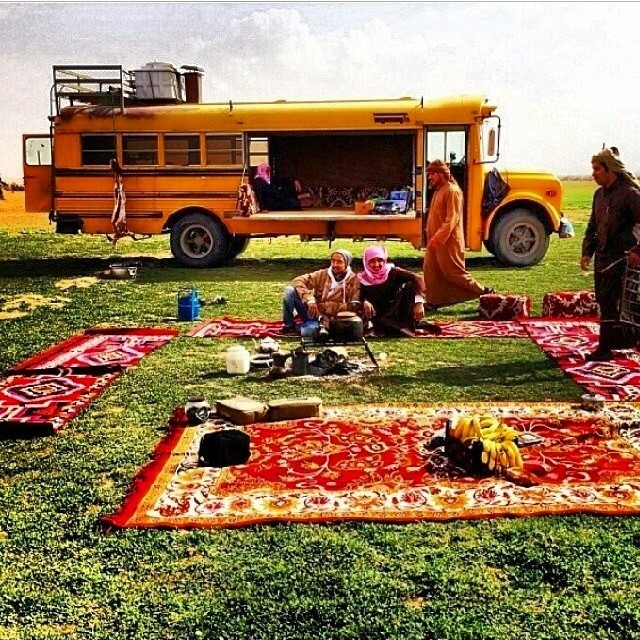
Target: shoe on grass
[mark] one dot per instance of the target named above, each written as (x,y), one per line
(429,327)
(288,331)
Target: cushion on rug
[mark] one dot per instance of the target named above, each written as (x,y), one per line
(496,306)
(570,304)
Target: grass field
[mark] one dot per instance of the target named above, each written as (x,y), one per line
(62,576)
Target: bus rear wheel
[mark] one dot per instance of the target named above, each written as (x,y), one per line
(237,245)
(198,240)
(520,238)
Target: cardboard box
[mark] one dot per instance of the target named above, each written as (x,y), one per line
(363,207)
(295,409)
(240,410)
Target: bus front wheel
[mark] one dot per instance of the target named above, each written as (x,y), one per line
(520,238)
(198,240)
(488,245)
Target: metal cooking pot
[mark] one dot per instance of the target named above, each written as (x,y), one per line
(346,327)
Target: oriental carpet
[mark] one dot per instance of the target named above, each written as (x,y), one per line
(373,463)
(41,394)
(228,327)
(568,341)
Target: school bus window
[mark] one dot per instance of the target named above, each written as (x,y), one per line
(37,151)
(258,151)
(224,150)
(140,150)
(182,151)
(98,149)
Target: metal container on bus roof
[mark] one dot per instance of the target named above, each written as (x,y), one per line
(158,81)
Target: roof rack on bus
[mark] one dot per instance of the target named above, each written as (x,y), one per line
(107,85)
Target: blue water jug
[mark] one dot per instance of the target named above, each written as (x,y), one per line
(188,304)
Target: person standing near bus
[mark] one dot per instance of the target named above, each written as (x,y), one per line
(612,232)
(320,295)
(445,276)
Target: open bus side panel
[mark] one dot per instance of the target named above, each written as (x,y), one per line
(37,153)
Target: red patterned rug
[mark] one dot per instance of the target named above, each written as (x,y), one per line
(617,379)
(228,327)
(563,338)
(372,463)
(43,393)
(568,341)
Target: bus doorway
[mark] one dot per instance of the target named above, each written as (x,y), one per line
(448,144)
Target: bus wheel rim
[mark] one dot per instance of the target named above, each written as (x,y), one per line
(523,240)
(196,241)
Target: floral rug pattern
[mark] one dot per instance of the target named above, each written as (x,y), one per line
(374,463)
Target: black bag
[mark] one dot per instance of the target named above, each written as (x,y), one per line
(224,448)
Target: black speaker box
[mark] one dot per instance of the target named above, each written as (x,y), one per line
(224,448)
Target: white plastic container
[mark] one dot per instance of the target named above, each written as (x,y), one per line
(238,360)
(158,81)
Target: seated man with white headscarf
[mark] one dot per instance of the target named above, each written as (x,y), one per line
(320,295)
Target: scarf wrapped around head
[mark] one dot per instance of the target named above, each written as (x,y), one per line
(346,256)
(340,282)
(264,171)
(610,158)
(367,277)
(440,166)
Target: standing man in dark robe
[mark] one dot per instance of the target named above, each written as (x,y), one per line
(613,231)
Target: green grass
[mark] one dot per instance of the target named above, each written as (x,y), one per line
(578,194)
(63,576)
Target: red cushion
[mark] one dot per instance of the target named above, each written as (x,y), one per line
(494,306)
(570,304)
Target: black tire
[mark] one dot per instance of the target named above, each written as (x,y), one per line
(237,245)
(520,238)
(488,245)
(199,240)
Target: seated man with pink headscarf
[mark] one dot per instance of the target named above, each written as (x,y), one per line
(275,194)
(392,298)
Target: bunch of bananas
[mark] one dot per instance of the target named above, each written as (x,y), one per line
(499,450)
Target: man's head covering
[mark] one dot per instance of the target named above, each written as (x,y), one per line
(368,277)
(610,158)
(438,166)
(339,280)
(345,254)
(264,171)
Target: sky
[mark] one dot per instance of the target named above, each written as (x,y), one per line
(565,75)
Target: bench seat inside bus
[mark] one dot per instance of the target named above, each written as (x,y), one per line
(326,196)
(316,196)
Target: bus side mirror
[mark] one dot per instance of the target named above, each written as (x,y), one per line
(491,143)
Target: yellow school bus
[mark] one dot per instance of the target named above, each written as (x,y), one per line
(183,162)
